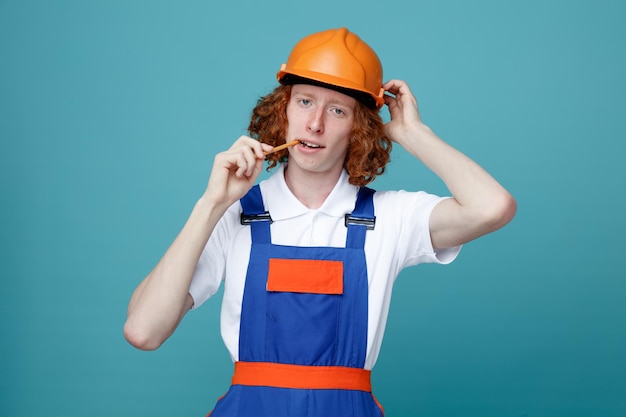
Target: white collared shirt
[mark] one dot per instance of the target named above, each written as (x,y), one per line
(400,239)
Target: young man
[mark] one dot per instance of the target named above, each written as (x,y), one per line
(308,257)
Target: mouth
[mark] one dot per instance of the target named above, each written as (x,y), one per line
(310,145)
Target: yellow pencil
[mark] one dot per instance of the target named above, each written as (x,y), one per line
(283,146)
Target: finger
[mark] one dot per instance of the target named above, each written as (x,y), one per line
(238,164)
(391,102)
(248,159)
(258,148)
(265,150)
(242,141)
(245,153)
(393,86)
(389,99)
(398,88)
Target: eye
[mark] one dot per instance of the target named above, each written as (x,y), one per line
(305,101)
(338,111)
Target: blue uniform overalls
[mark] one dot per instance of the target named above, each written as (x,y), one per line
(303,331)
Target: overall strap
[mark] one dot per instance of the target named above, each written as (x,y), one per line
(361,219)
(254,214)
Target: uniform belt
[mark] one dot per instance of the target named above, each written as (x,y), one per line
(282,375)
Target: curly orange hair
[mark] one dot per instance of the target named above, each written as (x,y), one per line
(368,151)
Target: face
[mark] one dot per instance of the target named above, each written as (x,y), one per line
(322,120)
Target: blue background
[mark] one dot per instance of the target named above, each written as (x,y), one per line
(111,112)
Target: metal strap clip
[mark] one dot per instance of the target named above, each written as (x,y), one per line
(246,219)
(369,223)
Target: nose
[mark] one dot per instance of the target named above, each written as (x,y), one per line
(315,123)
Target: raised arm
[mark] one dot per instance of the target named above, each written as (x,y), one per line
(162,298)
(480,205)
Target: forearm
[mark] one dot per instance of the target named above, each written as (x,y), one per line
(161,300)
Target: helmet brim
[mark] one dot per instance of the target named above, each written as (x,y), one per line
(362,96)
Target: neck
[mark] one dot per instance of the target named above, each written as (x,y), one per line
(310,189)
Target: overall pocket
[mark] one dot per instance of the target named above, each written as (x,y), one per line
(303,309)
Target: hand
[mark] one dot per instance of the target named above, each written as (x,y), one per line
(405,117)
(235,171)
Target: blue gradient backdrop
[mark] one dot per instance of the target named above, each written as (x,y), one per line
(111,112)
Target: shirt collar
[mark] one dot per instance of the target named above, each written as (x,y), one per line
(282,204)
